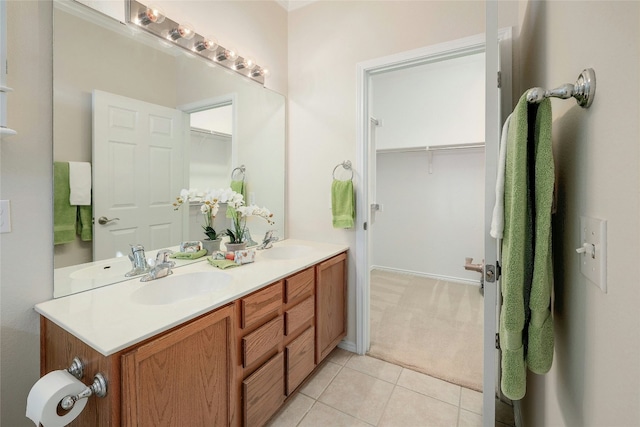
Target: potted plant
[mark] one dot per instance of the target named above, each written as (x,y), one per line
(210,204)
(239,214)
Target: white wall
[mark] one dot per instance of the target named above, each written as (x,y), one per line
(595,378)
(437,103)
(430,222)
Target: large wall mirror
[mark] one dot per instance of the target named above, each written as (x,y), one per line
(229,122)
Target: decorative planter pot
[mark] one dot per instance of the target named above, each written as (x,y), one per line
(232,247)
(211,245)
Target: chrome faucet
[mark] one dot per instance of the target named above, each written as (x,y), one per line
(161,267)
(138,261)
(268,240)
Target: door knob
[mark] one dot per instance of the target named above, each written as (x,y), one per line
(104,220)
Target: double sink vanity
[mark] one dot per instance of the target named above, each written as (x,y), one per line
(203,346)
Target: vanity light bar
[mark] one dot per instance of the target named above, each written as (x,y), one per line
(153,21)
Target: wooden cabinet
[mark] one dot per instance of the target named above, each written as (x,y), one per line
(233,366)
(182,378)
(331,304)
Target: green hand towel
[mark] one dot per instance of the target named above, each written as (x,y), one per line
(189,255)
(222,263)
(540,333)
(84,223)
(343,206)
(64,215)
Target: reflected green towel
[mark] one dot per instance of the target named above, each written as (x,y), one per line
(189,255)
(343,206)
(64,215)
(222,263)
(84,223)
(238,187)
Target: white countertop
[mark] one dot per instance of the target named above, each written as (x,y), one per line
(108,320)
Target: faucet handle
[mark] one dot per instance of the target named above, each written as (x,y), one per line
(163,256)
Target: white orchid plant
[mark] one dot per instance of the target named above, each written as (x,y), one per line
(239,214)
(210,204)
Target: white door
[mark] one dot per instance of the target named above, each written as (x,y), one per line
(138,170)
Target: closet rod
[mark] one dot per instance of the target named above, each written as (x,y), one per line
(210,132)
(432,148)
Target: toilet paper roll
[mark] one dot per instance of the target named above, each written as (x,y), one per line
(46,394)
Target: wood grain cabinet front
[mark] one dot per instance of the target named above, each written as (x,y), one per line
(182,378)
(263,392)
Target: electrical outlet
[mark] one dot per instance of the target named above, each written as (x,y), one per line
(593,252)
(5,216)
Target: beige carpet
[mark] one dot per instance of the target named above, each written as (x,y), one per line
(428,325)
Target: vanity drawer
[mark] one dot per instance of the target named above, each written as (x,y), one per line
(259,342)
(263,392)
(298,315)
(299,285)
(300,359)
(257,307)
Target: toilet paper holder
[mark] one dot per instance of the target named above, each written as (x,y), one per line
(98,387)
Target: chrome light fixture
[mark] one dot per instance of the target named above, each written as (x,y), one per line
(154,21)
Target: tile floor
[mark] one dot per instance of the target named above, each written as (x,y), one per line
(351,390)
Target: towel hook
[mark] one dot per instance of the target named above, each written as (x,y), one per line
(240,169)
(583,91)
(346,165)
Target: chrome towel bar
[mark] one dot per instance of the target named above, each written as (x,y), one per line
(583,90)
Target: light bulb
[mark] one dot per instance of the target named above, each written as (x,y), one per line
(151,15)
(227,54)
(247,62)
(260,71)
(208,43)
(184,31)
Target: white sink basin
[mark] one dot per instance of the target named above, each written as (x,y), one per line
(180,287)
(286,252)
(112,268)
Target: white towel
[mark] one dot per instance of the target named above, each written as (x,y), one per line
(80,183)
(497,221)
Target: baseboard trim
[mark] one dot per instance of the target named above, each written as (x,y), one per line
(428,275)
(348,345)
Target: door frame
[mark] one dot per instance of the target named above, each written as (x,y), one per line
(364,70)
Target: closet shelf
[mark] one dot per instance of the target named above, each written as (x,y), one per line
(429,149)
(432,148)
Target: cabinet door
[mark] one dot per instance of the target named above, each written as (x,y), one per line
(331,304)
(183,378)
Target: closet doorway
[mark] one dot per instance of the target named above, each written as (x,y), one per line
(426,310)
(399,243)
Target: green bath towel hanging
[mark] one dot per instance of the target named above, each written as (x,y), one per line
(526,331)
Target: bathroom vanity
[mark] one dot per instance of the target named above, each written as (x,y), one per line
(228,356)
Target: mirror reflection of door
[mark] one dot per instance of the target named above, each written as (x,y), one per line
(138,168)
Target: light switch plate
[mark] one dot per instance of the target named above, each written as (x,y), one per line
(593,264)
(5,216)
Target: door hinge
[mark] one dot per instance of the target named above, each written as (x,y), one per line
(497,341)
(365,226)
(498,270)
(499,79)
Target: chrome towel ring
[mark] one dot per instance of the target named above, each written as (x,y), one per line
(346,165)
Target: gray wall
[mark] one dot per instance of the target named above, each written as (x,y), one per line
(26,261)
(595,378)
